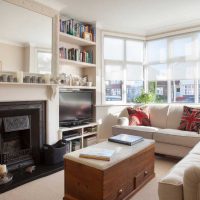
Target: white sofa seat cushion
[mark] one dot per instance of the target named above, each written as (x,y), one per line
(171,186)
(143,131)
(177,137)
(196,149)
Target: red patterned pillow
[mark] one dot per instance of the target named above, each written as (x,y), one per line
(190,120)
(138,117)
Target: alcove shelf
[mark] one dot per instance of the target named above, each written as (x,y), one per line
(64,37)
(76,63)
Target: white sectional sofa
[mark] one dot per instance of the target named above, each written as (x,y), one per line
(165,119)
(183,181)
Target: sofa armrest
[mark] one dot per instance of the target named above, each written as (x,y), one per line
(123,121)
(191,183)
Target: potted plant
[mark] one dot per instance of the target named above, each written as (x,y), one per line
(145,97)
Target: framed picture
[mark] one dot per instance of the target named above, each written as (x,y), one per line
(87,36)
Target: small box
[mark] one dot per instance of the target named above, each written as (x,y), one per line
(90,141)
(76,144)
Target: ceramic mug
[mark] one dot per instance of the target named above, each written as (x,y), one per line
(4,77)
(89,84)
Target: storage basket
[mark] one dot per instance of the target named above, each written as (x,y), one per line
(53,154)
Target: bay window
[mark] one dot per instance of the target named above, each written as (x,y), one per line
(169,68)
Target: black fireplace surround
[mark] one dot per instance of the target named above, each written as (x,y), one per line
(22,136)
(22,133)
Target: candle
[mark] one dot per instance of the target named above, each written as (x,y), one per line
(20,76)
(3,169)
(47,78)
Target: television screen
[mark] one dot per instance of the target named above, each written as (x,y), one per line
(75,106)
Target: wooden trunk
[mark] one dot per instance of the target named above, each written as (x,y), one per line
(118,182)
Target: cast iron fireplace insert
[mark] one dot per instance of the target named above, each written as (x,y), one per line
(22,133)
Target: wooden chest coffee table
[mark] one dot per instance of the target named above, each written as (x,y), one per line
(127,171)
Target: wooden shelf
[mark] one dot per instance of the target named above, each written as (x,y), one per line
(77,87)
(75,40)
(76,63)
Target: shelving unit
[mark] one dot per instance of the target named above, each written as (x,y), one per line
(81,130)
(86,51)
(73,67)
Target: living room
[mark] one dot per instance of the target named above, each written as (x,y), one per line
(75,76)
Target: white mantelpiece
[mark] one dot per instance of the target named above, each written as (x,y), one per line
(36,92)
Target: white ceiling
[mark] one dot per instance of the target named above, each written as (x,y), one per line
(21,26)
(143,17)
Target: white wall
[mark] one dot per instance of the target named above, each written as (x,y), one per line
(107,117)
(36,93)
(12,57)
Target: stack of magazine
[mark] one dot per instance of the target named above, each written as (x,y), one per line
(98,154)
(126,139)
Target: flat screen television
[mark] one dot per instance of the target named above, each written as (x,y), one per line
(75,107)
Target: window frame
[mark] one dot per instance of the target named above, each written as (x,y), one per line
(123,63)
(170,61)
(145,65)
(41,50)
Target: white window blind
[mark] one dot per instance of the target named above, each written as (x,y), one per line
(157,51)
(134,51)
(134,72)
(113,48)
(157,72)
(183,47)
(113,72)
(183,71)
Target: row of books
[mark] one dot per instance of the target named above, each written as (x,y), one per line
(77,29)
(76,54)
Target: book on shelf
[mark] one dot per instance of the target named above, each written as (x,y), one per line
(76,54)
(76,28)
(97,154)
(126,139)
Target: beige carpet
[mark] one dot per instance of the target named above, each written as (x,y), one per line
(51,187)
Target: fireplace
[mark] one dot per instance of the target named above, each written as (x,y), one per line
(22,133)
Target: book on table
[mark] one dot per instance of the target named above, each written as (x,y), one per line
(98,154)
(126,139)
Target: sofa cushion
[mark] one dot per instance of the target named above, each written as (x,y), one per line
(196,149)
(177,137)
(171,186)
(158,115)
(190,120)
(174,116)
(138,116)
(143,131)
